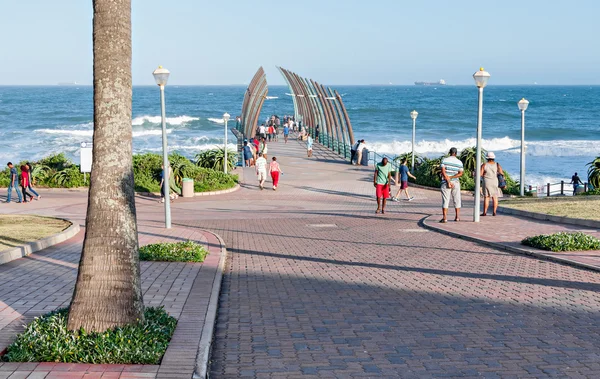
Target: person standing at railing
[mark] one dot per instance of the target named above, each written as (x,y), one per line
(404,174)
(353,151)
(575,181)
(359,151)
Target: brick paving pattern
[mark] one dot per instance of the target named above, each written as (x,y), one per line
(317,285)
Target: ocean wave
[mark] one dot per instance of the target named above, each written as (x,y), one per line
(89,133)
(216,120)
(271,97)
(179,120)
(561,148)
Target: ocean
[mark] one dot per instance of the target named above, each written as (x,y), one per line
(562,122)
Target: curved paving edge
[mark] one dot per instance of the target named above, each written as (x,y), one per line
(546,217)
(540,254)
(32,247)
(202,358)
(210,193)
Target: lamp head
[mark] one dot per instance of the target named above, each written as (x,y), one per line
(226,117)
(161,76)
(523,104)
(414,115)
(481,78)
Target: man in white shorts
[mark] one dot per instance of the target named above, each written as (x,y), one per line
(452,169)
(261,170)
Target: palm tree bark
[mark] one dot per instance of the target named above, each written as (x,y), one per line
(108,291)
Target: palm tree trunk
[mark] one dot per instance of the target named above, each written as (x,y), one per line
(108,291)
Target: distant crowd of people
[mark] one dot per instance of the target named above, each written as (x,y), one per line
(23,180)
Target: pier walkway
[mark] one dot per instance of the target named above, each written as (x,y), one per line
(318,285)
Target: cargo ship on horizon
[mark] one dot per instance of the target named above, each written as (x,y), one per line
(441,82)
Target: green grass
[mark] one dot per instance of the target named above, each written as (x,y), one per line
(584,208)
(563,242)
(173,252)
(16,230)
(47,339)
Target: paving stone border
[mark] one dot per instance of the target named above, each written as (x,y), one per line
(541,254)
(31,247)
(547,217)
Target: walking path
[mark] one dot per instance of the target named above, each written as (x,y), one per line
(318,285)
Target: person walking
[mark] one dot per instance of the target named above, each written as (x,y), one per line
(247,154)
(381,181)
(359,151)
(452,169)
(25,184)
(29,170)
(13,183)
(263,148)
(286,132)
(271,133)
(575,181)
(309,146)
(353,151)
(261,170)
(275,172)
(404,173)
(317,132)
(489,172)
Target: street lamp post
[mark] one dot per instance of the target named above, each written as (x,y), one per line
(161,76)
(481,78)
(523,104)
(226,119)
(413,115)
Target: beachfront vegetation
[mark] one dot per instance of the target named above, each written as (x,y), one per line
(187,251)
(468,156)
(429,173)
(594,172)
(214,159)
(408,157)
(57,171)
(563,242)
(47,339)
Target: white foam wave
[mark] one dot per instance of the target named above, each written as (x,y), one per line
(271,97)
(89,133)
(179,120)
(562,148)
(216,120)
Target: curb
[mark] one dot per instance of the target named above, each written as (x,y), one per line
(211,193)
(547,217)
(32,247)
(206,340)
(515,250)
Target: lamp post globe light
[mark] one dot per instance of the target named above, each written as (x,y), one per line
(523,104)
(413,115)
(226,119)
(161,76)
(481,78)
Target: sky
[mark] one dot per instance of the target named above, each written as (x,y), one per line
(335,42)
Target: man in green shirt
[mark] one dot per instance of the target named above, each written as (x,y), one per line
(381,181)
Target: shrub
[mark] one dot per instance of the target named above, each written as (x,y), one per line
(563,242)
(594,172)
(47,339)
(214,158)
(206,180)
(69,177)
(469,158)
(173,252)
(594,192)
(55,162)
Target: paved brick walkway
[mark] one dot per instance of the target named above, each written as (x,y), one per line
(320,286)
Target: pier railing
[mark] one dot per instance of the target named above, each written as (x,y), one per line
(556,189)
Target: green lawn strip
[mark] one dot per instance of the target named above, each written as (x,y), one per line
(563,242)
(187,251)
(47,339)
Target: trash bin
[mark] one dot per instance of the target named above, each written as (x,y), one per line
(188,187)
(364,160)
